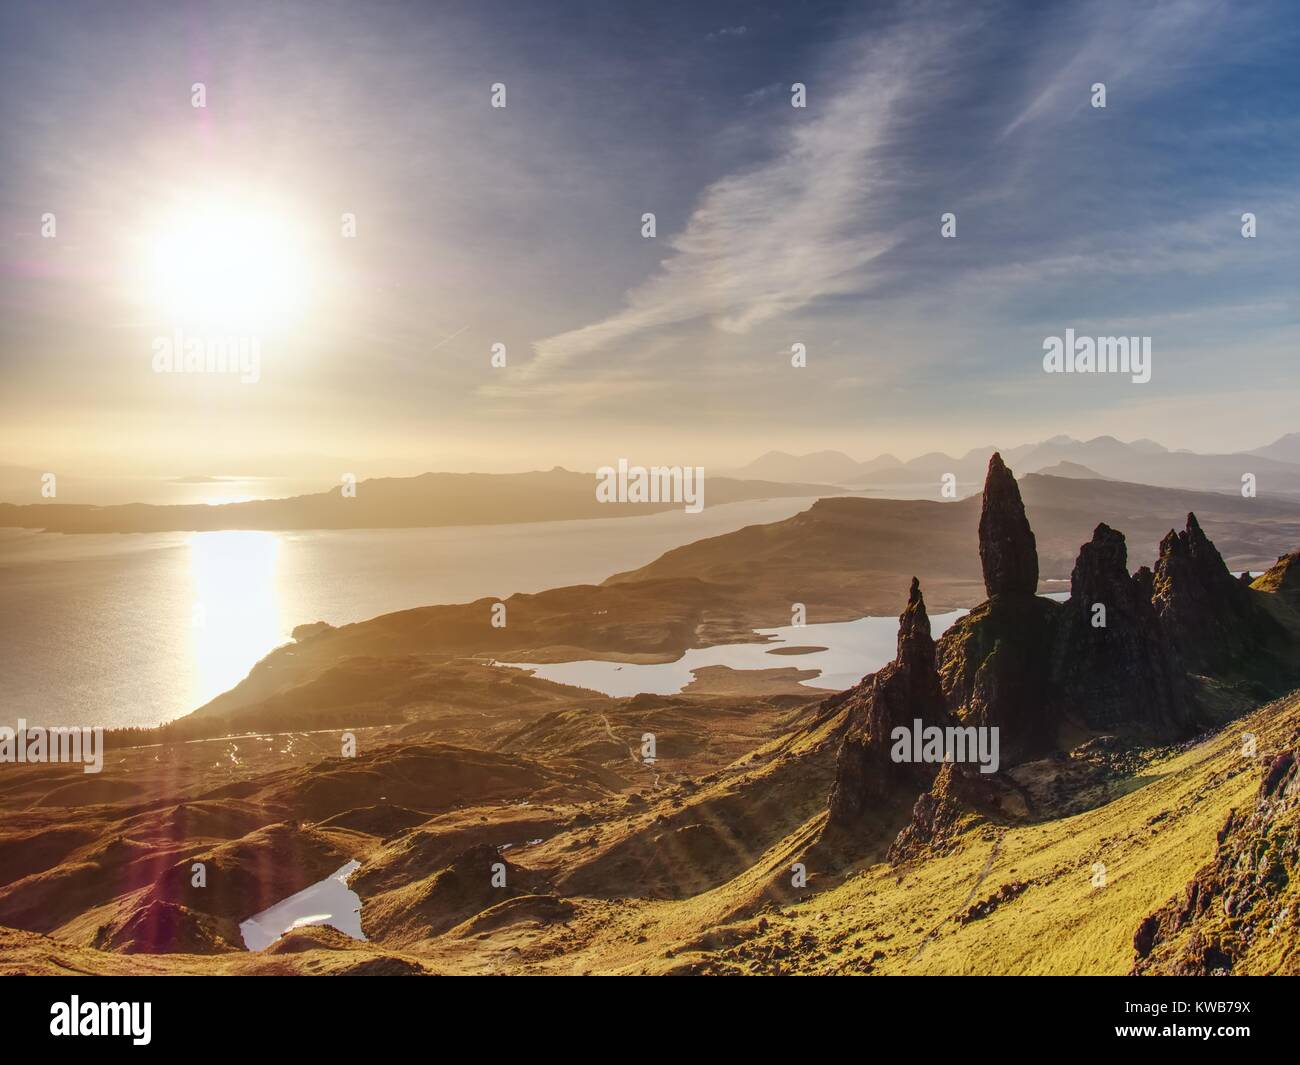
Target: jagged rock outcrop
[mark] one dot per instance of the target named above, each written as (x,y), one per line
(1209,616)
(1241,911)
(1116,656)
(1145,581)
(1115,665)
(995,664)
(957,794)
(903,691)
(1008,551)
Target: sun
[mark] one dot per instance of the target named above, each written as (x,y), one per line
(229,265)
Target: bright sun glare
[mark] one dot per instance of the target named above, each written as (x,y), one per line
(236,612)
(229,266)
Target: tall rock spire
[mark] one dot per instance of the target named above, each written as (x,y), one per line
(904,690)
(995,663)
(1008,552)
(915,645)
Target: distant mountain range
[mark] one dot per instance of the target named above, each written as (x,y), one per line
(427,501)
(1276,467)
(444,499)
(1284,449)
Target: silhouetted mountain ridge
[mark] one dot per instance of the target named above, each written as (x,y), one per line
(425,501)
(1275,467)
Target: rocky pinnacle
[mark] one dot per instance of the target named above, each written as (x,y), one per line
(1008,552)
(903,691)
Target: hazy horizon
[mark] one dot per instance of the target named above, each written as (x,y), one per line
(298,475)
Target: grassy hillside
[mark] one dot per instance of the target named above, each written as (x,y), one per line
(697,879)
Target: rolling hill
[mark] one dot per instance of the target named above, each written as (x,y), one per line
(429,500)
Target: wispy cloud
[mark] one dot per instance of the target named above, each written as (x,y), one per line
(1127,47)
(775,238)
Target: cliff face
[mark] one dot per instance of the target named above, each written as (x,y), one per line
(995,665)
(1115,664)
(904,690)
(1209,616)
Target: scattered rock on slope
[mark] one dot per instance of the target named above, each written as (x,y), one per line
(1241,911)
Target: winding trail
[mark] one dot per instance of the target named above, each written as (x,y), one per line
(988,865)
(631,750)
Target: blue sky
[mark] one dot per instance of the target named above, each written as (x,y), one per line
(775,225)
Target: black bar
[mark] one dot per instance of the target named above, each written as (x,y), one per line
(302,1014)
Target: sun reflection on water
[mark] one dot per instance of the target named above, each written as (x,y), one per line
(236,611)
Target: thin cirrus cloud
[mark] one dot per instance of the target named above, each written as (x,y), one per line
(1151,37)
(773,239)
(986,115)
